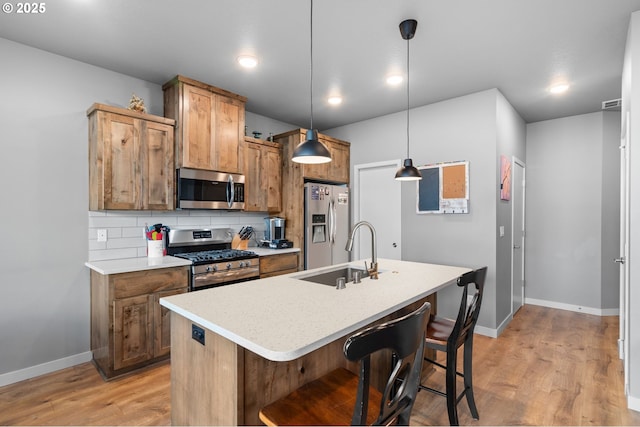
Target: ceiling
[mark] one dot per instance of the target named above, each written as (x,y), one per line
(460,47)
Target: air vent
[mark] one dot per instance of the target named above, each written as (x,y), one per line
(614,104)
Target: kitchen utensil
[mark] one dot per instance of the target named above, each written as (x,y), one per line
(246,232)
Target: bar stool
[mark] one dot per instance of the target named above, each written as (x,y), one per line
(342,397)
(447,335)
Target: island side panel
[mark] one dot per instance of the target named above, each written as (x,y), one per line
(267,381)
(206,380)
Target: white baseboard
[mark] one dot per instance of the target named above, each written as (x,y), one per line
(490,332)
(633,403)
(487,332)
(44,368)
(494,333)
(576,308)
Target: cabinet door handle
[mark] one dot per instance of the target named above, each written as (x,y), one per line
(516,246)
(619,260)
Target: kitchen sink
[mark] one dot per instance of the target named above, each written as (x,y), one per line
(329,277)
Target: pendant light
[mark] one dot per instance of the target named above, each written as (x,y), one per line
(311,151)
(408,172)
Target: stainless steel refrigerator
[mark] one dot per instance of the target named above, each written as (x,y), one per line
(326,224)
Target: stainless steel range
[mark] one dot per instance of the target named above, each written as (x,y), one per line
(214,262)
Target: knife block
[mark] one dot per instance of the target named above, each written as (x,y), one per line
(238,243)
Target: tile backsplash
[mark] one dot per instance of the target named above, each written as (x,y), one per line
(125,237)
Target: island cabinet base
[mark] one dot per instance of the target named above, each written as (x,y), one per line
(221,383)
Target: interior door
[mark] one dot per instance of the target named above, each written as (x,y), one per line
(518,227)
(377,199)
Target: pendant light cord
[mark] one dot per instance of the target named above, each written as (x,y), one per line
(311,62)
(408,98)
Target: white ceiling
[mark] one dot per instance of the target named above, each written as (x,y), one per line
(460,47)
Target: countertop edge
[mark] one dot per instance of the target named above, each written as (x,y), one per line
(262,252)
(129,265)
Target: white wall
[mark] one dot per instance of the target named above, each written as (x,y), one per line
(572,216)
(45,286)
(47,233)
(464,128)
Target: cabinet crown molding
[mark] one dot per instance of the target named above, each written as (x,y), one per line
(130,113)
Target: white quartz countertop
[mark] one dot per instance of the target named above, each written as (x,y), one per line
(282,318)
(127,265)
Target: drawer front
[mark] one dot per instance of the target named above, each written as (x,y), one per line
(149,281)
(275,263)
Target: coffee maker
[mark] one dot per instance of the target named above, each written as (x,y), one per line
(274,235)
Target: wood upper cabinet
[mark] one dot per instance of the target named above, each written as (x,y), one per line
(209,124)
(263,176)
(337,170)
(131,163)
(129,327)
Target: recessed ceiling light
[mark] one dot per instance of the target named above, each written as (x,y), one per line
(335,100)
(559,88)
(394,80)
(247,61)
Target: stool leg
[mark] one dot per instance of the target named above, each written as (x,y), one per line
(468,377)
(451,386)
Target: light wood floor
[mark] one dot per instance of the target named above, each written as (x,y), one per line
(549,367)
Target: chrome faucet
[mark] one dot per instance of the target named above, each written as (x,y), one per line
(373,269)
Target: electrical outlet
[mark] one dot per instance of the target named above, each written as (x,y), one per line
(102,235)
(197,333)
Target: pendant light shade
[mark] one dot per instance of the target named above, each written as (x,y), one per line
(408,172)
(311,151)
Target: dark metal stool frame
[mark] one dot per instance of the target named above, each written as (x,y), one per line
(447,336)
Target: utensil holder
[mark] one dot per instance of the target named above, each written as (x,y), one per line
(238,243)
(155,248)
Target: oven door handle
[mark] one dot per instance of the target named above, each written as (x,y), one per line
(230,191)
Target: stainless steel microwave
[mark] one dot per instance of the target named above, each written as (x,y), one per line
(200,189)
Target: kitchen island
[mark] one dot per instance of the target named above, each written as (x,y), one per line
(264,338)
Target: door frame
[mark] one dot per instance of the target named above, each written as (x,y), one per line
(522,164)
(625,198)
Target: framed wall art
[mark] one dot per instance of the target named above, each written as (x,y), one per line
(444,188)
(505,178)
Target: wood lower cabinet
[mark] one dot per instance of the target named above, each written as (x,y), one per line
(131,164)
(209,124)
(275,265)
(294,176)
(263,176)
(129,327)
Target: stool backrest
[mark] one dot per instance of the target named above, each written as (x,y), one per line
(405,338)
(469,306)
